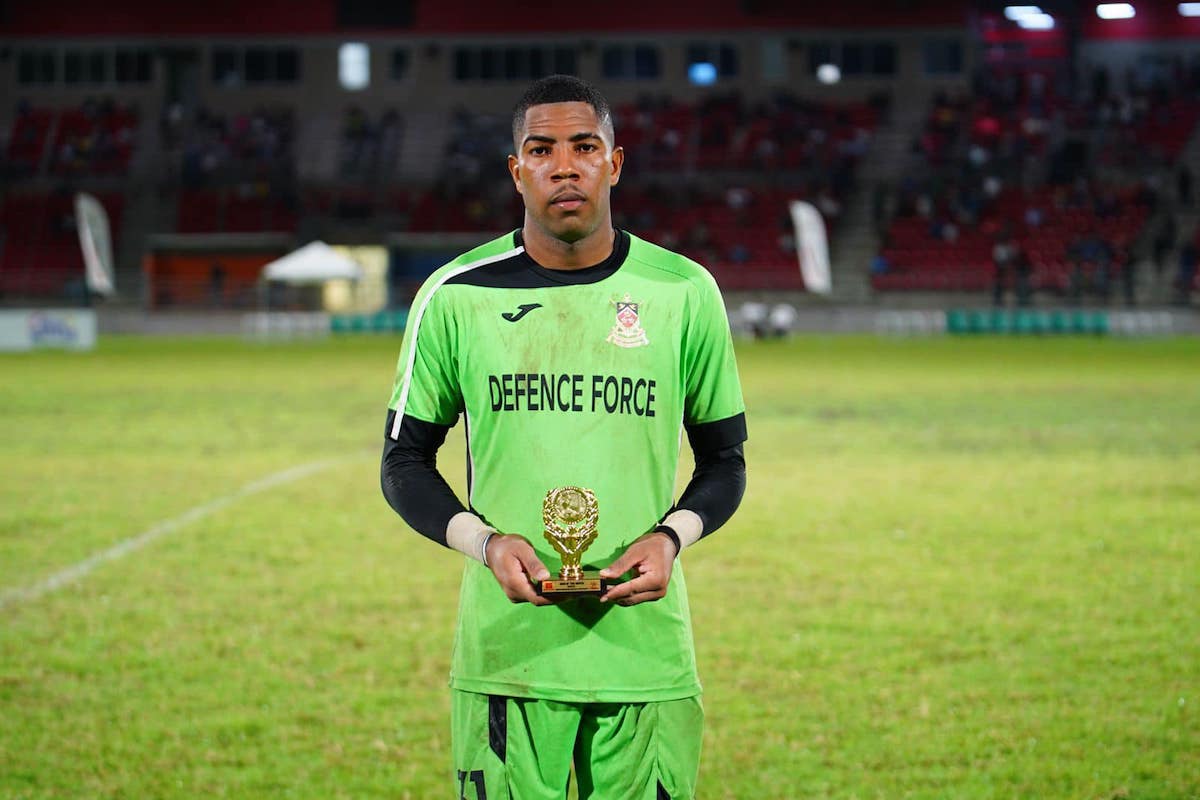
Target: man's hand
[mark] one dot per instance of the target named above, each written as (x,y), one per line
(515,565)
(651,556)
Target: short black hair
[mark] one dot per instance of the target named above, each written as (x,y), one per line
(561,89)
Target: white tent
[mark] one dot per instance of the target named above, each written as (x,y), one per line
(316,262)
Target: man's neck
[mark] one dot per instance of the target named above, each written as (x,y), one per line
(554,253)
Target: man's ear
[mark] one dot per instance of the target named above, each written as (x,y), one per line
(514,169)
(618,160)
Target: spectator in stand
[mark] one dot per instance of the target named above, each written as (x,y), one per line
(830,208)
(1005,253)
(739,254)
(390,133)
(1125,266)
(992,186)
(699,243)
(1080,194)
(1148,191)
(948,231)
(968,204)
(1034,216)
(786,240)
(216,284)
(924,205)
(1091,258)
(1107,205)
(170,125)
(1024,272)
(1187,273)
(1164,241)
(356,135)
(738,198)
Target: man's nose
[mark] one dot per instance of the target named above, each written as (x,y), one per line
(564,166)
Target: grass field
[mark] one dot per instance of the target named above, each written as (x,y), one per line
(963,569)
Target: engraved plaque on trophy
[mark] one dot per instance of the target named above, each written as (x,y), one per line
(569,514)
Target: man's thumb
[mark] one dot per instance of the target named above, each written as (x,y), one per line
(533,566)
(619,567)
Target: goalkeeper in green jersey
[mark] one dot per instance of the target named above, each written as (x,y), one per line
(577,355)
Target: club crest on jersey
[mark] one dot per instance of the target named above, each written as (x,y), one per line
(628,330)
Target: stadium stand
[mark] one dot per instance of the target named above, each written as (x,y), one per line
(1022,155)
(40,257)
(216,149)
(1032,170)
(741,166)
(711,179)
(97,138)
(28,140)
(240,208)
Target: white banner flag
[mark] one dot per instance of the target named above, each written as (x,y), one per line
(811,246)
(92,222)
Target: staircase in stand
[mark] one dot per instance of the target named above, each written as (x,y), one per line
(422,150)
(856,241)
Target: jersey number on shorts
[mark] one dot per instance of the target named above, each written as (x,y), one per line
(476,776)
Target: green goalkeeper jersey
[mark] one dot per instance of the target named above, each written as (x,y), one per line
(572,378)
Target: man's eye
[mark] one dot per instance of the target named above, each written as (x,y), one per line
(587,147)
(539,151)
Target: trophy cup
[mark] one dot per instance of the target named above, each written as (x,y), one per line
(570,514)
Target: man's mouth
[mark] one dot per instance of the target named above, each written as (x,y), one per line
(568,201)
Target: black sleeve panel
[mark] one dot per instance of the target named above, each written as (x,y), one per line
(410,478)
(717,485)
(709,437)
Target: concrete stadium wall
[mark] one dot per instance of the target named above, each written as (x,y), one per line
(430,85)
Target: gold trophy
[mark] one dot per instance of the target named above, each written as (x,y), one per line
(570,514)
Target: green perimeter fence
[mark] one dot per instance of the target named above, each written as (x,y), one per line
(955,321)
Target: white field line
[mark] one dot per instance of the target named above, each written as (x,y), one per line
(75,572)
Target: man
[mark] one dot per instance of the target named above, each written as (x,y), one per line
(575,353)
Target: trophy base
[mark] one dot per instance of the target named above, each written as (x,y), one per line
(591,584)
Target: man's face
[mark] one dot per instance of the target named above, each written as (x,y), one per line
(564,168)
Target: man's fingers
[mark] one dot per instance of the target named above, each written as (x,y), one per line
(649,584)
(516,585)
(635,597)
(648,551)
(526,594)
(641,597)
(626,562)
(516,566)
(649,558)
(532,569)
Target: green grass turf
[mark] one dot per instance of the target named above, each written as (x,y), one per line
(963,569)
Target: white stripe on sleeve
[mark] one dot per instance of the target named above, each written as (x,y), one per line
(416,327)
